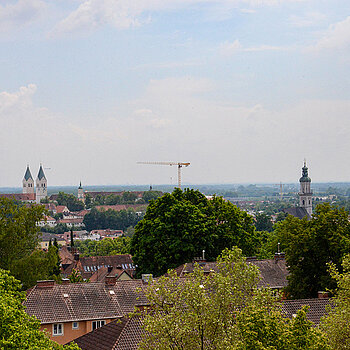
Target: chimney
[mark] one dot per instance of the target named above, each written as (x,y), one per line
(322,295)
(110,280)
(65,281)
(279,256)
(47,284)
(109,268)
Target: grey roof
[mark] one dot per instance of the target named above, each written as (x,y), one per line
(84,301)
(41,174)
(273,273)
(298,212)
(46,237)
(27,175)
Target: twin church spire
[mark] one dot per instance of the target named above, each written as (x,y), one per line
(41,184)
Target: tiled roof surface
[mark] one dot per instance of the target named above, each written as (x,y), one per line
(318,308)
(19,196)
(102,338)
(46,237)
(88,265)
(273,272)
(131,335)
(123,334)
(84,301)
(127,333)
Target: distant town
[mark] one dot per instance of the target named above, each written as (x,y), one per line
(93,261)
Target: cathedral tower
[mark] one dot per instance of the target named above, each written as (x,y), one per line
(305,194)
(28,182)
(41,185)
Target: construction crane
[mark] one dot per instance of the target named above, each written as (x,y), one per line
(178,164)
(281,185)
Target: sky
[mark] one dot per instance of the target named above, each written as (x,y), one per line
(244,90)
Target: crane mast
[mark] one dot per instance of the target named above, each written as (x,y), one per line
(178,164)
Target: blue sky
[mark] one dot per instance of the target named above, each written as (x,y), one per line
(242,89)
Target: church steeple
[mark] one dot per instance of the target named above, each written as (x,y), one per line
(41,185)
(28,182)
(80,192)
(305,194)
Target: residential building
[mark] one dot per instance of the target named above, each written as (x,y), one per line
(67,311)
(45,238)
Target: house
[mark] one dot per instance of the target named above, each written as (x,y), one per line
(68,311)
(89,265)
(126,333)
(47,221)
(72,222)
(108,233)
(45,238)
(273,272)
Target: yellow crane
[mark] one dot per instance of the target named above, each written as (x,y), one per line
(178,164)
(281,185)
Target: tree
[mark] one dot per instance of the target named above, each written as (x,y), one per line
(70,201)
(19,235)
(107,246)
(222,310)
(311,244)
(38,266)
(17,329)
(178,226)
(263,222)
(104,219)
(336,324)
(149,195)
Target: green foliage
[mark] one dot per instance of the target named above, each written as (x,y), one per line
(19,235)
(75,277)
(310,245)
(178,226)
(107,246)
(113,199)
(263,222)
(38,266)
(70,201)
(88,200)
(336,324)
(149,195)
(103,219)
(223,310)
(17,329)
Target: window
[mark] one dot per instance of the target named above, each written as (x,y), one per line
(98,324)
(57,329)
(75,325)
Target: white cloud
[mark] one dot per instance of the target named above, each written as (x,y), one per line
(20,13)
(121,14)
(231,48)
(336,37)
